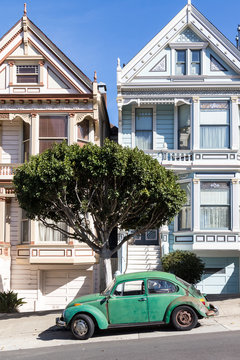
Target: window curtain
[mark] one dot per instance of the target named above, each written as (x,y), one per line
(215,206)
(46,234)
(144,129)
(214,137)
(184,130)
(184,217)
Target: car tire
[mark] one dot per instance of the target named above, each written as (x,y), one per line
(82,326)
(184,318)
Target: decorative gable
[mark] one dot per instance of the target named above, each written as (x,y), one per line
(161,66)
(187,36)
(54,81)
(191,32)
(215,65)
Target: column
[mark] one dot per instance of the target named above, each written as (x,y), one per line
(2,215)
(35,134)
(195,124)
(235,205)
(71,129)
(41,67)
(196,205)
(234,124)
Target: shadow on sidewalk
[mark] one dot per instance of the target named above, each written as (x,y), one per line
(222,297)
(19,315)
(56,333)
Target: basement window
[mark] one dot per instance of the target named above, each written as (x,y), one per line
(27,74)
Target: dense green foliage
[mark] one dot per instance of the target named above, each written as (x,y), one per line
(184,264)
(119,187)
(9,302)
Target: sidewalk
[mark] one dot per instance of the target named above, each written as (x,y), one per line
(32,330)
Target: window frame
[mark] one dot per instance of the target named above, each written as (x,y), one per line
(186,205)
(54,139)
(149,108)
(26,75)
(25,220)
(226,125)
(228,206)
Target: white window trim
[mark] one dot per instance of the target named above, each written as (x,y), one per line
(185,181)
(154,110)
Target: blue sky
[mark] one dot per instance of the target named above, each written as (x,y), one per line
(94,33)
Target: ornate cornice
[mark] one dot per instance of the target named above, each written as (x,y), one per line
(25,117)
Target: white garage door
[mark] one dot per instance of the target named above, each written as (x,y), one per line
(221,276)
(59,287)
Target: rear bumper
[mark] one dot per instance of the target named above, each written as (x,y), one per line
(60,322)
(213,311)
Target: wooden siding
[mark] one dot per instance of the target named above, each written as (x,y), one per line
(143,258)
(165,126)
(11,142)
(127,126)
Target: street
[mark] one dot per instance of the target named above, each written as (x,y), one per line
(222,346)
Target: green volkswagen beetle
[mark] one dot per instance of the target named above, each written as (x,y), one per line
(143,298)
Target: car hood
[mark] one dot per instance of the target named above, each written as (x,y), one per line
(86,298)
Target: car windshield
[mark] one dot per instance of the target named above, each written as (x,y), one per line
(108,289)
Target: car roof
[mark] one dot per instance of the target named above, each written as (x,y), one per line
(146,274)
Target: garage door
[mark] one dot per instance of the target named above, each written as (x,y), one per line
(59,287)
(221,276)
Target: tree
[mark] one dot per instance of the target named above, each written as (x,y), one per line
(184,264)
(109,186)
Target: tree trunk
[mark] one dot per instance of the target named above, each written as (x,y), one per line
(107,270)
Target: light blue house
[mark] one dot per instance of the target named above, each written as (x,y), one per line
(179,100)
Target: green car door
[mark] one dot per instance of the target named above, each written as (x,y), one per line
(160,294)
(128,303)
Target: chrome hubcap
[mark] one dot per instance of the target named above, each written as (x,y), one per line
(81,327)
(184,318)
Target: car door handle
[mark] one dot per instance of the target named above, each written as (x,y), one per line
(142,299)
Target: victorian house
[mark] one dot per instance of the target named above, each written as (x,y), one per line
(44,98)
(179,100)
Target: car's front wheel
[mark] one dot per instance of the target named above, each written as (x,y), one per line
(82,326)
(184,318)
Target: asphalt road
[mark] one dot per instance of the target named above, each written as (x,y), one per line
(213,346)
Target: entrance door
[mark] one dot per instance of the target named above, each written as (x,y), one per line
(128,304)
(150,237)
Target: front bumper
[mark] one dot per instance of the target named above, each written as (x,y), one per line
(60,322)
(213,311)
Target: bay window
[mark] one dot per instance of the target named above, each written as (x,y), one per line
(24,228)
(52,129)
(46,234)
(214,125)
(26,141)
(215,205)
(83,129)
(184,216)
(144,129)
(184,129)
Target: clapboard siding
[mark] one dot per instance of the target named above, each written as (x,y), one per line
(127,126)
(11,142)
(165,126)
(15,214)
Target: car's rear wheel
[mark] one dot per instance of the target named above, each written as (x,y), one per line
(184,318)
(82,326)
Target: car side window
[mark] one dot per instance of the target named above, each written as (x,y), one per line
(158,286)
(130,288)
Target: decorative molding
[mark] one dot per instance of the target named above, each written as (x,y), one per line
(81,116)
(196,181)
(215,65)
(25,117)
(161,66)
(195,99)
